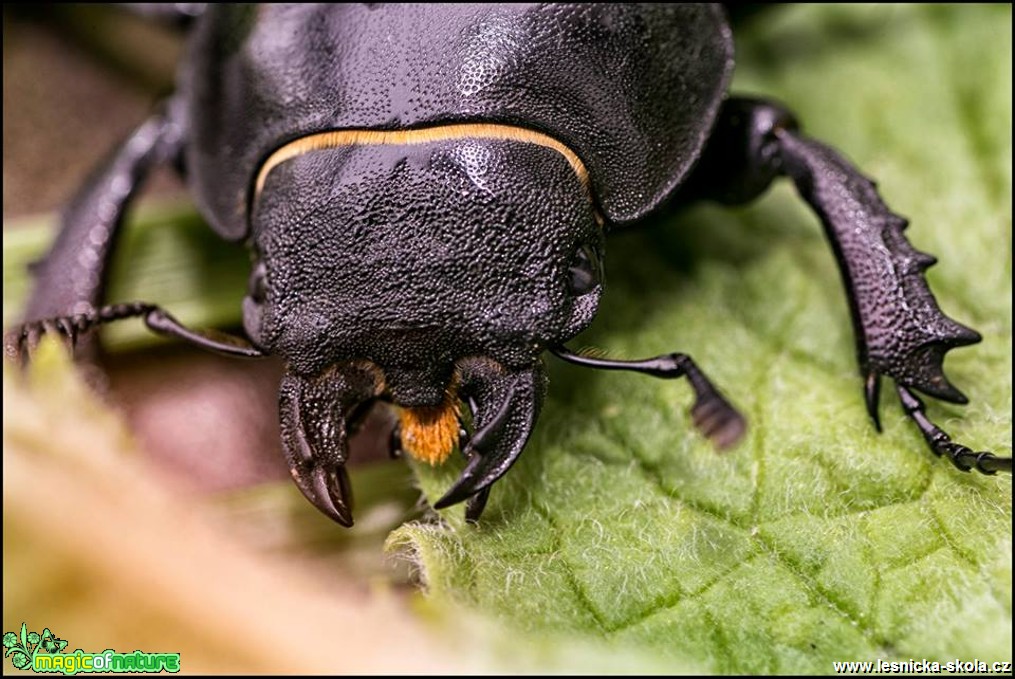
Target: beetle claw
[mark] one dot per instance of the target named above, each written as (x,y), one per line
(328,490)
(21,342)
(314,422)
(941,444)
(506,408)
(476,504)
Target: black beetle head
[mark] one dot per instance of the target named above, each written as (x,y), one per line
(415,256)
(427,274)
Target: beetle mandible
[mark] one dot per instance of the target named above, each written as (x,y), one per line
(425,191)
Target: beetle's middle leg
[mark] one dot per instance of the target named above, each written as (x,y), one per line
(900,331)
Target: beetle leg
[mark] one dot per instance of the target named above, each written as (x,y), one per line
(69,281)
(71,277)
(507,405)
(900,330)
(940,443)
(20,341)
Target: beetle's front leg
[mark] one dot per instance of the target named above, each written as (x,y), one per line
(69,281)
(900,331)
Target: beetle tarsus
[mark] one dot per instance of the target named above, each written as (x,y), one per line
(942,445)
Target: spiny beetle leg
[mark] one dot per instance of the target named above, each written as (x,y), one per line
(941,444)
(71,277)
(21,341)
(899,328)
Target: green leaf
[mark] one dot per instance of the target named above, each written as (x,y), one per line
(817,539)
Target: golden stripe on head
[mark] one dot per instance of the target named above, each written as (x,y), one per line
(338,138)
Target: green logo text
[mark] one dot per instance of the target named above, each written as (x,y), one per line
(47,653)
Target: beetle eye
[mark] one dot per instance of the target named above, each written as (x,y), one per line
(256,283)
(585,271)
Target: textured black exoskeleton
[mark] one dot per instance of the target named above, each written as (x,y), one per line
(425,190)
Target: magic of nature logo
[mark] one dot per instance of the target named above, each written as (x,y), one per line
(46,652)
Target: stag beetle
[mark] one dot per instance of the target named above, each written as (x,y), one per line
(425,191)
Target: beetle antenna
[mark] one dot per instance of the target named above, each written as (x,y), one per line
(712,413)
(21,340)
(941,444)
